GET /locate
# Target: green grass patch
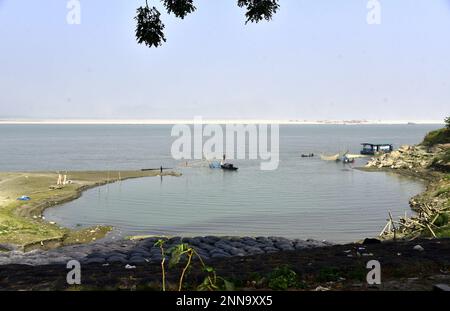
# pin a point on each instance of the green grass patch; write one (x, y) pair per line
(21, 230)
(20, 222)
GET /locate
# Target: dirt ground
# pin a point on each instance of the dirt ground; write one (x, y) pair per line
(21, 222)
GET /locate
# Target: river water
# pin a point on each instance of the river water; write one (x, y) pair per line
(303, 198)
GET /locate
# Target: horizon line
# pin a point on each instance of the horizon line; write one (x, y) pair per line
(69, 121)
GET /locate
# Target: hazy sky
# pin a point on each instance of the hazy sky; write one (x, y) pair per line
(318, 59)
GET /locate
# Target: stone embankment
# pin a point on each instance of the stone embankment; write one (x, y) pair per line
(143, 251)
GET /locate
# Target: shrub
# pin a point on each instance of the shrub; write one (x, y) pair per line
(282, 278)
(328, 275)
(441, 136)
(442, 220)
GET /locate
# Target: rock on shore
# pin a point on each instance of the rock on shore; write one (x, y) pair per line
(406, 157)
(144, 251)
(431, 164)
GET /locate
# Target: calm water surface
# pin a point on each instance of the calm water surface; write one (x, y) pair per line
(304, 198)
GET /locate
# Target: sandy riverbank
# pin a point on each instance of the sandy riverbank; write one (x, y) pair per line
(21, 222)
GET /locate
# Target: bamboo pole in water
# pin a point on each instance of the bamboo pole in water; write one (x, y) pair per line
(393, 225)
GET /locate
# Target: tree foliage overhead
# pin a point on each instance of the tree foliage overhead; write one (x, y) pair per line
(150, 28)
(257, 10)
(180, 8)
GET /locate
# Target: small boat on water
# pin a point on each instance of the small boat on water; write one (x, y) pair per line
(348, 160)
(228, 167)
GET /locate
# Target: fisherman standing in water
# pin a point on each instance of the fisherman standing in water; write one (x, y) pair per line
(223, 160)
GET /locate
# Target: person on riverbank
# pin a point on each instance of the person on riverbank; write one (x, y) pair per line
(223, 159)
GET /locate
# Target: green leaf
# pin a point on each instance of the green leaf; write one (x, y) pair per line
(175, 256)
(149, 28)
(159, 243)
